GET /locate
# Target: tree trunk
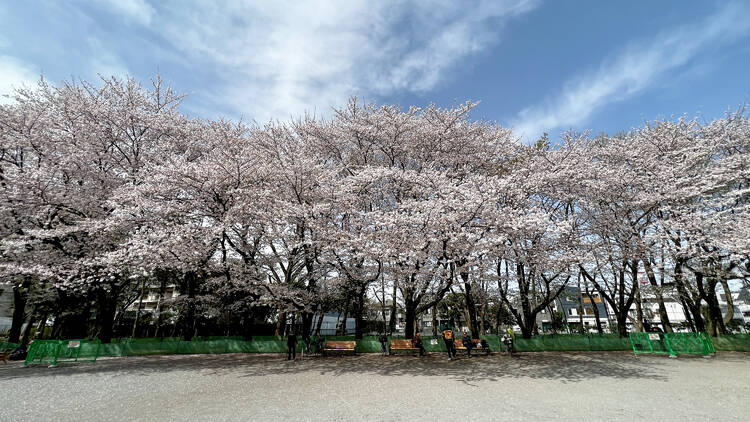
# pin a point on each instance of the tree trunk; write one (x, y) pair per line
(307, 318)
(359, 314)
(105, 314)
(394, 308)
(595, 307)
(320, 321)
(342, 328)
(42, 325)
(19, 313)
(56, 327)
(526, 328)
(160, 303)
(483, 318)
(622, 319)
(690, 302)
(730, 302)
(411, 316)
(27, 330)
(663, 316)
(638, 303)
(707, 292)
(466, 315)
(191, 280)
(434, 320)
(499, 318)
(581, 308)
(638, 311)
(470, 306)
(138, 311)
(688, 315)
(382, 304)
(698, 320)
(280, 324)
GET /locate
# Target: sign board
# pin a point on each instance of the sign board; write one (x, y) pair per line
(74, 343)
(654, 337)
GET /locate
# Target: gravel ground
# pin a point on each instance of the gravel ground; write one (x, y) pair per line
(531, 386)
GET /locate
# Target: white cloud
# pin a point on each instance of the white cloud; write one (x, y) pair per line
(275, 60)
(633, 71)
(132, 10)
(14, 74)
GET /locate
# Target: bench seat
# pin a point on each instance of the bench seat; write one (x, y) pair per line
(340, 346)
(477, 345)
(398, 345)
(460, 343)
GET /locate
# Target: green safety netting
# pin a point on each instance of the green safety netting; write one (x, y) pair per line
(570, 342)
(672, 343)
(732, 342)
(544, 343)
(562, 342)
(55, 351)
(6, 345)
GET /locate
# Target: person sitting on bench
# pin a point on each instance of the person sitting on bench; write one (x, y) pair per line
(418, 344)
(468, 344)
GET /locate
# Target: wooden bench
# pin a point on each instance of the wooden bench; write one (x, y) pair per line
(340, 346)
(400, 345)
(477, 345)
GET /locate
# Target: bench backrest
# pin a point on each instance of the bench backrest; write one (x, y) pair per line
(401, 344)
(460, 342)
(341, 345)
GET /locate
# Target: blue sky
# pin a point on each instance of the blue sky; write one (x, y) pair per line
(534, 65)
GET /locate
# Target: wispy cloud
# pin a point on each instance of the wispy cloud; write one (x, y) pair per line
(138, 11)
(14, 73)
(636, 69)
(276, 59)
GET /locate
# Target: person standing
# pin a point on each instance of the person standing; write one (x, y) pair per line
(291, 347)
(383, 344)
(449, 346)
(306, 341)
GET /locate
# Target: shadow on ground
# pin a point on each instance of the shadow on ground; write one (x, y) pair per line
(562, 366)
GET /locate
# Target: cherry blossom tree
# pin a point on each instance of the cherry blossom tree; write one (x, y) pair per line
(66, 150)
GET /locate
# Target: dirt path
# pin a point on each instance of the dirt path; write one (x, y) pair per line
(532, 386)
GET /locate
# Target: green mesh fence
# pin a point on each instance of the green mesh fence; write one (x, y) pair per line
(433, 344)
(7, 346)
(53, 352)
(690, 343)
(671, 343)
(563, 342)
(732, 342)
(650, 343)
(544, 343)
